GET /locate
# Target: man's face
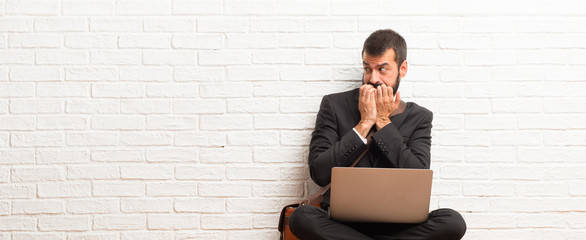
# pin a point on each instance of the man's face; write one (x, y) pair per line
(383, 70)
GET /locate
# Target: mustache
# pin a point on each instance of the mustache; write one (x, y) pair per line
(375, 85)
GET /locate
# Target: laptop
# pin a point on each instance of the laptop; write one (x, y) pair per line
(392, 195)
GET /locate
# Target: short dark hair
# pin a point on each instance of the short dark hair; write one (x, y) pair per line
(381, 40)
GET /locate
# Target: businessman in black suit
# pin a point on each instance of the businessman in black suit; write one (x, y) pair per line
(401, 139)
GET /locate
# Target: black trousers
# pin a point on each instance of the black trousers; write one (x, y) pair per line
(309, 222)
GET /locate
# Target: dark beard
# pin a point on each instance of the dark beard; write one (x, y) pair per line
(395, 88)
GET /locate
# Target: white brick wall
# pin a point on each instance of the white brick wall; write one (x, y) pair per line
(178, 119)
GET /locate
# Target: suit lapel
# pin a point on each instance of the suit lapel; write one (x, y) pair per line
(352, 102)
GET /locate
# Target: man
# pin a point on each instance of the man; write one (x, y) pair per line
(401, 139)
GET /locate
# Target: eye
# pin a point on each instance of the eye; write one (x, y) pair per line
(382, 69)
(366, 69)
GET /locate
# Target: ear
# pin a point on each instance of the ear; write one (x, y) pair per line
(403, 69)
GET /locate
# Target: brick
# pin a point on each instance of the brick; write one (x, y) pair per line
(541, 220)
(18, 224)
(254, 138)
(199, 106)
(37, 207)
(32, 7)
(250, 7)
(93, 41)
(171, 123)
(551, 189)
(64, 190)
(224, 57)
(565, 138)
(38, 174)
(469, 106)
(36, 139)
(399, 24)
(144, 41)
(119, 222)
(147, 235)
(61, 122)
(199, 74)
(295, 138)
(17, 123)
(447, 122)
(140, 138)
(253, 205)
(58, 57)
(315, 89)
(348, 7)
(116, 24)
(93, 236)
(442, 90)
(279, 89)
(564, 204)
(447, 153)
(577, 188)
(172, 189)
(444, 58)
(263, 105)
(16, 57)
(458, 7)
(172, 155)
(89, 7)
(465, 74)
(118, 155)
(139, 205)
(145, 106)
(226, 122)
(60, 156)
(200, 205)
(205, 7)
(350, 41)
(224, 222)
(38, 236)
(35, 106)
(222, 24)
(492, 90)
(63, 90)
(211, 235)
(224, 189)
(491, 122)
(517, 138)
(487, 25)
(198, 41)
(264, 220)
(115, 90)
(300, 7)
(93, 206)
(92, 106)
(284, 121)
(279, 56)
(514, 105)
(17, 191)
(17, 89)
(172, 24)
(492, 154)
(331, 24)
(564, 106)
(207, 139)
(120, 57)
(464, 171)
(172, 90)
(253, 173)
(443, 188)
(92, 139)
(252, 40)
(465, 204)
(118, 189)
(485, 189)
(93, 172)
(273, 24)
(247, 234)
(4, 177)
(16, 24)
(118, 122)
(253, 73)
(173, 58)
(173, 222)
(225, 155)
(281, 155)
(226, 90)
(147, 172)
(150, 7)
(307, 41)
(61, 24)
(200, 172)
(278, 190)
(490, 221)
(318, 57)
(34, 41)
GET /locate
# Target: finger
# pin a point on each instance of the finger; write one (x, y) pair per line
(398, 98)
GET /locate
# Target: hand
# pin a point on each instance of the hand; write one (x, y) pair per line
(367, 108)
(385, 105)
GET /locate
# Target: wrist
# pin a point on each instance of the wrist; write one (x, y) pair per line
(382, 122)
(363, 127)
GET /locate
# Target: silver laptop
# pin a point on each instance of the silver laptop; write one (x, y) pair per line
(393, 195)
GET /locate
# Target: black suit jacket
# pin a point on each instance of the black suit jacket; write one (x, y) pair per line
(404, 143)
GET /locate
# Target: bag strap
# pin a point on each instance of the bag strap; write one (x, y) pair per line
(311, 198)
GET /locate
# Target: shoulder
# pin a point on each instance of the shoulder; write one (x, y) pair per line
(418, 111)
(342, 96)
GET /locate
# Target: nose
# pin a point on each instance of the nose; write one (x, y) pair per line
(373, 77)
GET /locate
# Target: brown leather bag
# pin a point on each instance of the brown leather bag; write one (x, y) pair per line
(313, 199)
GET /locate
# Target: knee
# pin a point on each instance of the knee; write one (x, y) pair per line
(300, 220)
(454, 226)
